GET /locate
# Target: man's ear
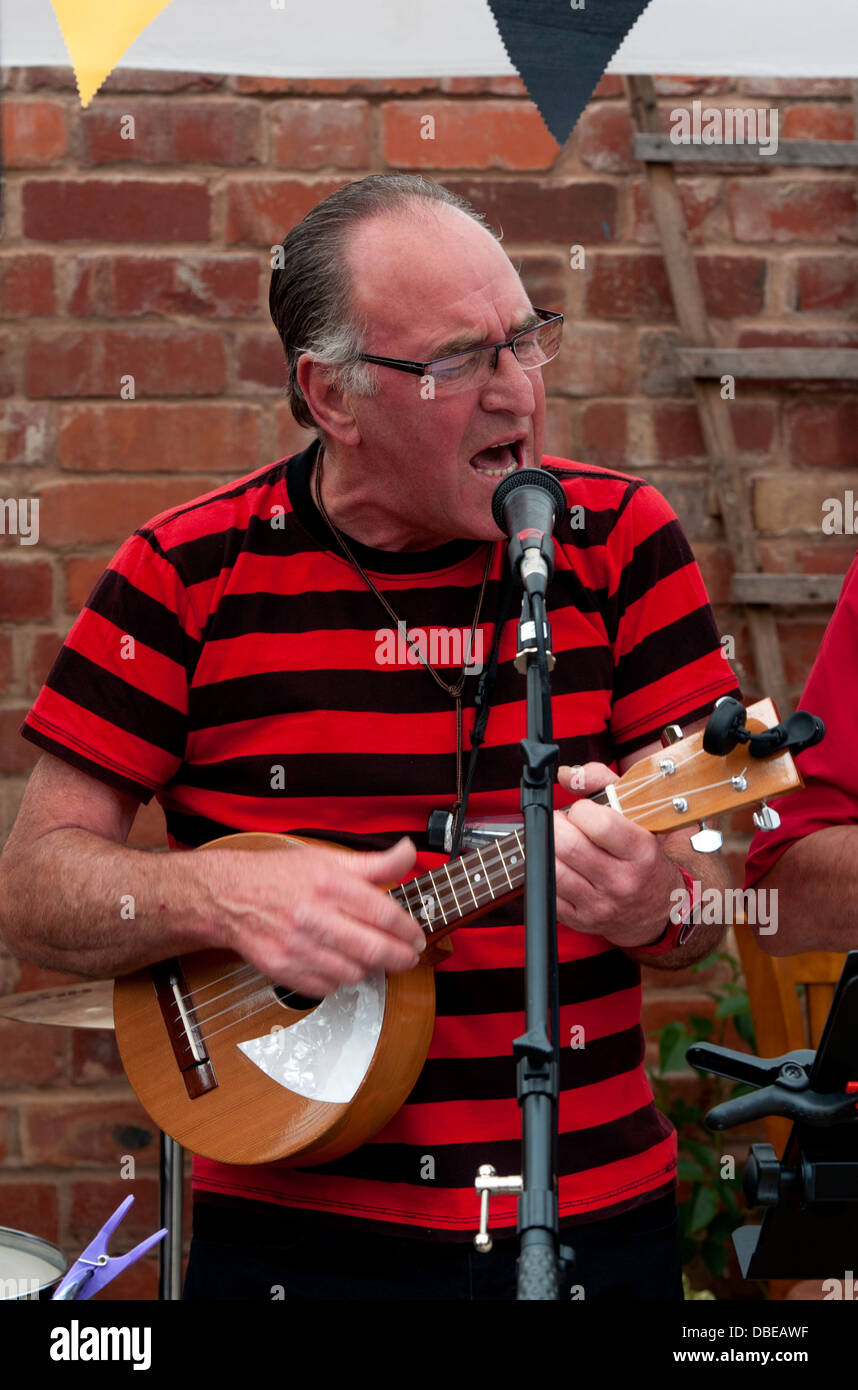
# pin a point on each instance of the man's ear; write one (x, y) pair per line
(329, 406)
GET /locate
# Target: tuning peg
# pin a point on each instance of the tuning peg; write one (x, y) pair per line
(706, 840)
(766, 818)
(671, 733)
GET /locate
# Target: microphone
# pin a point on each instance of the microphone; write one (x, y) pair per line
(526, 505)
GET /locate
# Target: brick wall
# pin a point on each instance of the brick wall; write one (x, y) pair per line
(150, 256)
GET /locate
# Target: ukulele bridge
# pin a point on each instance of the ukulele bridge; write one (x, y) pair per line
(183, 1030)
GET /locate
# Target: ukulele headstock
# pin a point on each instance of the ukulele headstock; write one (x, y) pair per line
(684, 784)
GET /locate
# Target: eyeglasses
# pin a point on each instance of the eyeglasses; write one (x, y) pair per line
(468, 371)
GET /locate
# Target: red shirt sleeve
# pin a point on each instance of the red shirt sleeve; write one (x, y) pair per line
(830, 769)
(115, 702)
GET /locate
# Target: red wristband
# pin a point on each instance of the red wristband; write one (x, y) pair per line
(680, 924)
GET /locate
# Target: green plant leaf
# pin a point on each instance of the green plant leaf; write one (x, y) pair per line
(701, 1025)
(689, 1171)
(732, 1003)
(704, 1205)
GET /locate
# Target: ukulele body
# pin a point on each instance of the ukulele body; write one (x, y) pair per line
(270, 1101)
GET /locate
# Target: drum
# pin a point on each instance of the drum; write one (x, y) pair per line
(30, 1268)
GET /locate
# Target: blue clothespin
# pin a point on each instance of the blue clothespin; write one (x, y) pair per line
(95, 1267)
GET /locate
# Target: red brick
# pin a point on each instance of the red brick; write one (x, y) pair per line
(799, 641)
(333, 86)
(610, 84)
(35, 977)
(798, 337)
(716, 566)
(817, 122)
(7, 670)
(753, 426)
(31, 1054)
(691, 86)
(823, 435)
(289, 436)
(106, 510)
(261, 211)
(314, 134)
(27, 434)
(828, 283)
(544, 278)
(81, 575)
(260, 361)
(29, 1205)
(93, 1200)
(44, 649)
(676, 433)
(62, 78)
(16, 754)
(604, 434)
(468, 135)
(776, 210)
(796, 86)
(701, 199)
(168, 362)
(27, 285)
(34, 133)
(595, 361)
(221, 286)
(135, 210)
(95, 1056)
(627, 286)
(170, 132)
(557, 431)
(827, 556)
(506, 86)
(4, 1135)
(9, 371)
(137, 1284)
(26, 587)
(69, 1134)
(159, 438)
(733, 286)
(539, 210)
(604, 135)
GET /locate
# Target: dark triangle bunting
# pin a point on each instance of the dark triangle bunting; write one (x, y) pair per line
(561, 50)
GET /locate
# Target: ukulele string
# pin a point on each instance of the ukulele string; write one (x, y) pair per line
(440, 893)
(664, 801)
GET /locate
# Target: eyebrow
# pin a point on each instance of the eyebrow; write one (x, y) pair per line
(465, 344)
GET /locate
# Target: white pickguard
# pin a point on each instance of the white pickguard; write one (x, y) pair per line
(326, 1054)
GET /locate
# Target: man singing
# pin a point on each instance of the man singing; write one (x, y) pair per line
(261, 695)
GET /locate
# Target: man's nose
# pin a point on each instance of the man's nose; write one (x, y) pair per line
(510, 387)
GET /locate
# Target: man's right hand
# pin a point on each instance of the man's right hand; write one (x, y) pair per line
(312, 918)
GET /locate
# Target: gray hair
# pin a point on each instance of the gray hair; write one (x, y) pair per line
(309, 299)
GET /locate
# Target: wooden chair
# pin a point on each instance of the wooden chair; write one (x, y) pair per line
(785, 1020)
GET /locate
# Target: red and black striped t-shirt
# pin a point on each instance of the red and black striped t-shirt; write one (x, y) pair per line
(258, 646)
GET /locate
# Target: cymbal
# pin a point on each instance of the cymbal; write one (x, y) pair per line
(89, 1005)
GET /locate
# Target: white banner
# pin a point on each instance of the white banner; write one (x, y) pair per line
(404, 38)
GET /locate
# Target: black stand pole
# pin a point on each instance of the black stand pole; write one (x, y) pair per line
(537, 1070)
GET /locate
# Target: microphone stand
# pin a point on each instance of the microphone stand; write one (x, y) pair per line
(537, 1079)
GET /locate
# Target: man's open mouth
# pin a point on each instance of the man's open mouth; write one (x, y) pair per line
(498, 460)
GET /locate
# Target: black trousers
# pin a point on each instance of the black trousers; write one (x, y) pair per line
(249, 1252)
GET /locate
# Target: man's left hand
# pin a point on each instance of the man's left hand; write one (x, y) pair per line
(613, 877)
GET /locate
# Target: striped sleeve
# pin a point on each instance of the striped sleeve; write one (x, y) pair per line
(669, 664)
(115, 702)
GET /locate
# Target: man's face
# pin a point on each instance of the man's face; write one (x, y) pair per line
(426, 287)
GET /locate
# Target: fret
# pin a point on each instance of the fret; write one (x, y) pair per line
(452, 889)
(462, 864)
(437, 895)
(485, 870)
(497, 845)
(401, 893)
(421, 917)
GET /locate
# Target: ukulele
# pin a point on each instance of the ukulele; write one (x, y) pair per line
(241, 1070)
